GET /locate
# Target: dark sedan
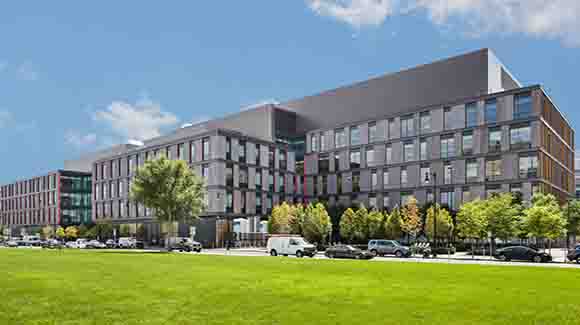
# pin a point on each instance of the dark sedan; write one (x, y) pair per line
(347, 251)
(574, 255)
(522, 253)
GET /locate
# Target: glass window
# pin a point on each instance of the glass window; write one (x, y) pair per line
(370, 154)
(494, 140)
(258, 179)
(385, 178)
(323, 163)
(520, 137)
(181, 151)
(374, 179)
(229, 202)
(408, 151)
(228, 148)
(373, 135)
(528, 166)
(314, 143)
(407, 126)
(404, 176)
(242, 151)
(493, 168)
(282, 156)
(471, 115)
(229, 175)
(354, 135)
(386, 201)
(491, 111)
(191, 151)
(324, 185)
(271, 156)
(271, 181)
(467, 143)
(425, 121)
(339, 183)
(356, 182)
(471, 169)
(281, 183)
(448, 118)
(258, 152)
(389, 153)
(373, 201)
(243, 177)
(425, 174)
(205, 153)
(323, 146)
(205, 172)
(448, 199)
(336, 161)
(355, 159)
(466, 195)
(129, 165)
(424, 150)
(447, 146)
(392, 131)
(339, 138)
(448, 173)
(522, 106)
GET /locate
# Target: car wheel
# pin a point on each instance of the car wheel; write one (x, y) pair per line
(374, 252)
(399, 254)
(357, 257)
(198, 250)
(504, 258)
(273, 253)
(299, 254)
(578, 260)
(329, 255)
(537, 259)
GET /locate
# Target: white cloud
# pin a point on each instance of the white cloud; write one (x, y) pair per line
(25, 71)
(141, 121)
(553, 19)
(6, 119)
(80, 140)
(357, 13)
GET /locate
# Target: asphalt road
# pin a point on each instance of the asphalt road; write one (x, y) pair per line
(453, 259)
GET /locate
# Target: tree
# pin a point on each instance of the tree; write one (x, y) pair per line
(572, 214)
(104, 229)
(444, 222)
(125, 230)
(281, 218)
(375, 224)
(471, 221)
(317, 224)
(297, 218)
(347, 225)
(60, 233)
(544, 218)
(394, 224)
(82, 231)
(171, 189)
(47, 232)
(502, 216)
(91, 233)
(412, 223)
(360, 224)
(71, 232)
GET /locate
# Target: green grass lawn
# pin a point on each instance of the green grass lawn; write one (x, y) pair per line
(88, 287)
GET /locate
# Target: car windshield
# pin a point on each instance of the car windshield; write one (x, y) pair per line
(300, 241)
(396, 243)
(350, 248)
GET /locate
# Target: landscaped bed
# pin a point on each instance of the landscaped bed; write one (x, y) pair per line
(89, 287)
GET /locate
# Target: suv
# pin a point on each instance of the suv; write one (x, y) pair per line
(126, 242)
(380, 247)
(184, 244)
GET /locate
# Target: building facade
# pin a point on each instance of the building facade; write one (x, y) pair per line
(60, 198)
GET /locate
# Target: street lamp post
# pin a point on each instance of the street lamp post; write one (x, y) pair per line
(434, 175)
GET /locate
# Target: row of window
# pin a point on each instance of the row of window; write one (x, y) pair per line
(527, 166)
(34, 185)
(31, 201)
(451, 120)
(36, 217)
(520, 138)
(241, 149)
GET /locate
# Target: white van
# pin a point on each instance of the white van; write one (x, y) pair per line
(290, 245)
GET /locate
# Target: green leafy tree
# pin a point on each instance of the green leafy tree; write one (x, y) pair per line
(82, 231)
(171, 189)
(360, 224)
(281, 218)
(444, 222)
(544, 218)
(394, 224)
(572, 213)
(60, 233)
(125, 230)
(297, 219)
(104, 229)
(47, 232)
(471, 221)
(502, 216)
(375, 224)
(347, 225)
(91, 232)
(412, 222)
(317, 224)
(71, 232)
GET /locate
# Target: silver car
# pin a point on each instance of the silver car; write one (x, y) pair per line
(380, 247)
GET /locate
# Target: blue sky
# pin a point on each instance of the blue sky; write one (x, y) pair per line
(78, 76)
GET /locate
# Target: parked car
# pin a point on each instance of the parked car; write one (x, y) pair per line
(574, 255)
(380, 247)
(522, 253)
(95, 244)
(184, 244)
(290, 245)
(81, 243)
(52, 244)
(110, 243)
(347, 251)
(12, 243)
(71, 244)
(126, 242)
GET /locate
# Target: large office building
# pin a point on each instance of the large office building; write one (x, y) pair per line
(465, 119)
